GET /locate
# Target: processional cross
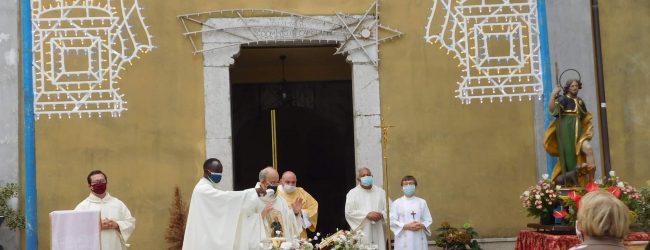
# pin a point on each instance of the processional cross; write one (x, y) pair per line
(384, 144)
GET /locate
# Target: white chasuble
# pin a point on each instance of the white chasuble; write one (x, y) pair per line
(113, 209)
(220, 219)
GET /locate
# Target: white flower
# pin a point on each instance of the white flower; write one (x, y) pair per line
(545, 176)
(557, 187)
(612, 173)
(527, 193)
(538, 197)
(317, 234)
(620, 184)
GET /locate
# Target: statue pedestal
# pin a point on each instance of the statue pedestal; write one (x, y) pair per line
(553, 229)
(564, 191)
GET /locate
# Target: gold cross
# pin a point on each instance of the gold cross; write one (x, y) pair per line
(384, 136)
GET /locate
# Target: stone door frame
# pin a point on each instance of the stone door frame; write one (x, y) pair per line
(218, 124)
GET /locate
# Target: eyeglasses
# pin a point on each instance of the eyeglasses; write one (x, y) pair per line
(98, 182)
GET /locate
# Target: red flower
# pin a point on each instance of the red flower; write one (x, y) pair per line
(591, 186)
(615, 191)
(560, 214)
(575, 196)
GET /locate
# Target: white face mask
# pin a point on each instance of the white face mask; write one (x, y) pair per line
(269, 196)
(288, 188)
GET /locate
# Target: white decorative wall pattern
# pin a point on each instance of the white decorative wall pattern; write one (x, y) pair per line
(496, 43)
(80, 47)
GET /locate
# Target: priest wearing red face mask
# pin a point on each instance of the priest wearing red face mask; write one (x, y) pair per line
(116, 221)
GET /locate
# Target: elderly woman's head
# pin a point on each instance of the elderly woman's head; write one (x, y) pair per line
(603, 215)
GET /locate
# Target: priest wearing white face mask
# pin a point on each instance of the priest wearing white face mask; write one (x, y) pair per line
(220, 219)
(278, 218)
(365, 209)
(410, 218)
(300, 201)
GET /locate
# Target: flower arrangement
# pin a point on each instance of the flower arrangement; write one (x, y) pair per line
(280, 244)
(452, 238)
(643, 209)
(541, 199)
(612, 184)
(344, 240)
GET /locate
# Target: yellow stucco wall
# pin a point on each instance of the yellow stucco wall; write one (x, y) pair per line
(472, 161)
(626, 62)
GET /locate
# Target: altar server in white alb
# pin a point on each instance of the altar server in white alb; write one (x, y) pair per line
(410, 218)
(117, 224)
(365, 209)
(220, 219)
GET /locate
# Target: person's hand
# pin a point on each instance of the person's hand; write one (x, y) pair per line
(297, 205)
(410, 226)
(556, 91)
(267, 209)
(414, 226)
(374, 216)
(109, 224)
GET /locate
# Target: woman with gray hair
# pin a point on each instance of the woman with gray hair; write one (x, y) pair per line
(603, 220)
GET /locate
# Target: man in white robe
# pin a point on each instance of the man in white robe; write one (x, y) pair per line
(117, 224)
(365, 209)
(410, 218)
(278, 218)
(221, 219)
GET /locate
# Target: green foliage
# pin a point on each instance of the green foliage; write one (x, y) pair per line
(642, 209)
(13, 219)
(452, 238)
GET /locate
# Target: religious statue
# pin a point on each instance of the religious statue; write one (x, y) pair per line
(569, 136)
(273, 224)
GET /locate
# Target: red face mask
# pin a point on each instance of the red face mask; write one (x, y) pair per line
(99, 188)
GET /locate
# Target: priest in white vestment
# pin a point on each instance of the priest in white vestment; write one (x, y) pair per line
(365, 210)
(410, 218)
(117, 224)
(221, 219)
(278, 220)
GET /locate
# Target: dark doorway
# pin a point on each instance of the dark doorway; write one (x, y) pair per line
(314, 131)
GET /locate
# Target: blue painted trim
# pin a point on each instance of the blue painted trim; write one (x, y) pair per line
(29, 147)
(547, 76)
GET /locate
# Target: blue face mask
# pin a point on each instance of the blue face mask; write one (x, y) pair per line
(214, 177)
(409, 190)
(366, 180)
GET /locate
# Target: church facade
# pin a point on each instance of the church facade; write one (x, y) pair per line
(459, 90)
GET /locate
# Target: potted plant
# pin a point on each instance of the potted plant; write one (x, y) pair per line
(452, 238)
(14, 219)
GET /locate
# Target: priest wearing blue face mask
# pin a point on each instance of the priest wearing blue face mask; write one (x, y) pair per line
(410, 218)
(218, 219)
(365, 209)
